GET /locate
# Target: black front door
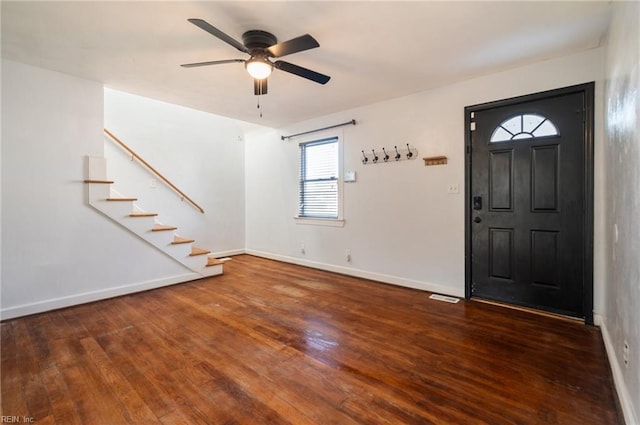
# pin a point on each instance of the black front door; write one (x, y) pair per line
(529, 201)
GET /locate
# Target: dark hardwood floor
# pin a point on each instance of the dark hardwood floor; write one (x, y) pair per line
(273, 343)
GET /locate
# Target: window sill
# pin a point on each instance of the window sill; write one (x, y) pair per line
(332, 222)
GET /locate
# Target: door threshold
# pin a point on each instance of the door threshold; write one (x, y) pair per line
(531, 310)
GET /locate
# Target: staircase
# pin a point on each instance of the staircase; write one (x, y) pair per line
(146, 225)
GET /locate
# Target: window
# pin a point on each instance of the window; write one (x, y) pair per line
(319, 188)
(527, 126)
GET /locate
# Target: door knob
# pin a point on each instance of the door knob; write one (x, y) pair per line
(477, 219)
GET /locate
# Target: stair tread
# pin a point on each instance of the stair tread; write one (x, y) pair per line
(161, 227)
(99, 181)
(198, 251)
(212, 261)
(121, 199)
(179, 240)
(142, 214)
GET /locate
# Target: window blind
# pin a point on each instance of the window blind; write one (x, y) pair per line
(318, 193)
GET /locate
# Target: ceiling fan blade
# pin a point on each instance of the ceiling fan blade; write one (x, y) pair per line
(295, 45)
(302, 72)
(217, 33)
(193, 65)
(259, 86)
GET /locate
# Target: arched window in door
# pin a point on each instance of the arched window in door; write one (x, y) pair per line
(525, 126)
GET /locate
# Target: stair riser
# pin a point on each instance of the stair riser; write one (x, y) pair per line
(180, 252)
(196, 262)
(115, 209)
(211, 270)
(138, 225)
(159, 239)
(98, 192)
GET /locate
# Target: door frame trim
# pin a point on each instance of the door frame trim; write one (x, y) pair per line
(588, 89)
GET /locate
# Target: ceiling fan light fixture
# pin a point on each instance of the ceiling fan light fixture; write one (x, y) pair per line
(258, 67)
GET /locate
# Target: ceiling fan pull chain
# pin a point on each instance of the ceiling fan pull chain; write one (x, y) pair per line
(259, 106)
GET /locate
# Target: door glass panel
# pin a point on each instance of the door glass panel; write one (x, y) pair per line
(546, 129)
(500, 135)
(522, 136)
(513, 125)
(526, 126)
(531, 122)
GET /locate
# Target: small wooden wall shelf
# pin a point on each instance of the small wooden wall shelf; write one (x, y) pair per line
(435, 160)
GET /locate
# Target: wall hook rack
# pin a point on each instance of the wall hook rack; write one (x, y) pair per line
(401, 154)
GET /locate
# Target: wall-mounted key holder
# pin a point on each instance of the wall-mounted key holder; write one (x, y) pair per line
(392, 155)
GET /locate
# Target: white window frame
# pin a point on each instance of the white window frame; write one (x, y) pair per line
(316, 221)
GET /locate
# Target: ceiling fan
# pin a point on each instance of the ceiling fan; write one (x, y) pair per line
(261, 46)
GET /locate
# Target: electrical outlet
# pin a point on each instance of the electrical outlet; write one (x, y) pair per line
(453, 188)
(625, 353)
(347, 254)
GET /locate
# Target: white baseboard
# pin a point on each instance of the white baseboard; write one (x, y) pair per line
(71, 300)
(626, 403)
(378, 277)
(228, 253)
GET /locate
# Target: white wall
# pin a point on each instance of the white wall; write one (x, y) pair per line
(401, 225)
(621, 318)
(201, 153)
(58, 251)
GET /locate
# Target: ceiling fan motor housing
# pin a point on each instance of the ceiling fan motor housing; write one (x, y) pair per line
(257, 39)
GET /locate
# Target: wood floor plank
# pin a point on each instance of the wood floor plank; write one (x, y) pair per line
(29, 393)
(94, 400)
(274, 343)
(13, 373)
(122, 389)
(63, 409)
(178, 418)
(141, 370)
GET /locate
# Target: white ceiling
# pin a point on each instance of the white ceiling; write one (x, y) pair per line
(372, 50)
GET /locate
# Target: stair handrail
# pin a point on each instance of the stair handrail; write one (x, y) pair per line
(153, 170)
